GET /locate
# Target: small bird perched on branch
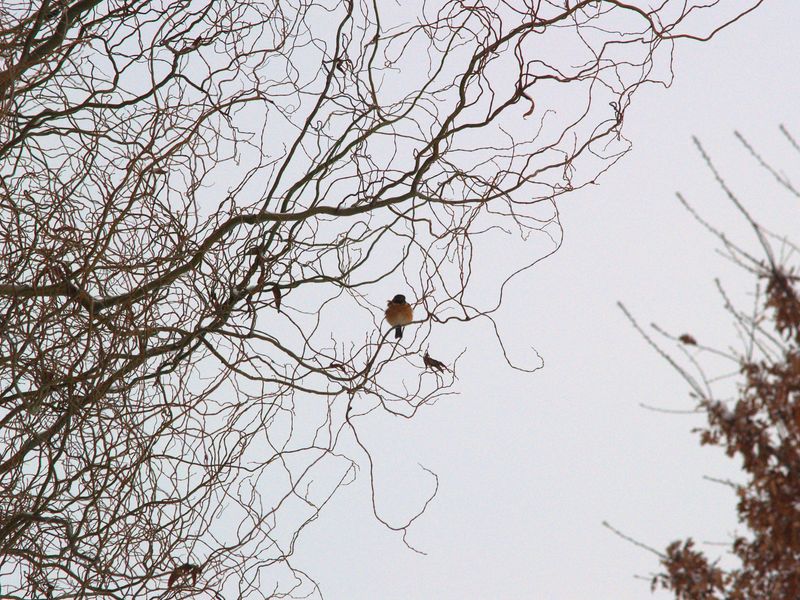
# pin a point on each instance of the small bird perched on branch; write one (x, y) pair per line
(399, 314)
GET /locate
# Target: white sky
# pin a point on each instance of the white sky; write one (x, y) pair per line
(530, 465)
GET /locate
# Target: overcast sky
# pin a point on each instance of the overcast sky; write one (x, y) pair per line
(530, 465)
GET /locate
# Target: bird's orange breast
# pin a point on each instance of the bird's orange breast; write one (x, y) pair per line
(399, 314)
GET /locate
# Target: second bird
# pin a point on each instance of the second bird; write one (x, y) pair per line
(398, 314)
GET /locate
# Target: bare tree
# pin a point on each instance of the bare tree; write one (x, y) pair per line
(757, 421)
(203, 205)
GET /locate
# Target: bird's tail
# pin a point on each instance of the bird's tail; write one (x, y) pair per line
(398, 332)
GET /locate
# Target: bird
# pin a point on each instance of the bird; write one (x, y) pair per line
(399, 314)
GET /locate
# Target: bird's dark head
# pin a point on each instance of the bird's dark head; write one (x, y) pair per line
(399, 299)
